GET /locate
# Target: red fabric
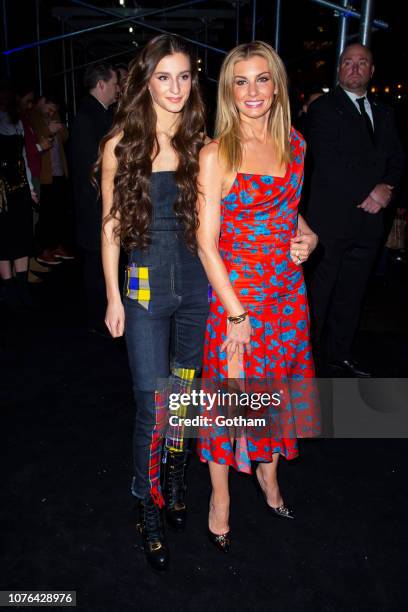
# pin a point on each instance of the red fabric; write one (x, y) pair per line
(33, 154)
(258, 219)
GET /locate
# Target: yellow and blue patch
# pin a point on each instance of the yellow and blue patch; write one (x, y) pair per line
(138, 285)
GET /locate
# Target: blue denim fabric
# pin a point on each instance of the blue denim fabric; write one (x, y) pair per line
(169, 334)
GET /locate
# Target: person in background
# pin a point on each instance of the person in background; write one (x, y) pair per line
(17, 195)
(357, 163)
(55, 219)
(313, 94)
(90, 125)
(34, 147)
(301, 124)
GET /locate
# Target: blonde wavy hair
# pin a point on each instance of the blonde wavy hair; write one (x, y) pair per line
(227, 124)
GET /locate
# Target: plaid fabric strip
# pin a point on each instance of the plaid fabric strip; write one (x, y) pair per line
(181, 381)
(156, 445)
(137, 284)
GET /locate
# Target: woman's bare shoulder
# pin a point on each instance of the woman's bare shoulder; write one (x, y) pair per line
(209, 154)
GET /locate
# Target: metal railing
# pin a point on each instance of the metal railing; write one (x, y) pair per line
(344, 11)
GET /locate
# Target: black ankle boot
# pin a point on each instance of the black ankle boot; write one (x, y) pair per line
(174, 488)
(23, 289)
(150, 525)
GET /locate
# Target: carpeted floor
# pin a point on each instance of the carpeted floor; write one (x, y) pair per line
(66, 516)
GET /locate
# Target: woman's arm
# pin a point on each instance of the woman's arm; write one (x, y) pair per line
(210, 181)
(304, 243)
(115, 316)
(210, 184)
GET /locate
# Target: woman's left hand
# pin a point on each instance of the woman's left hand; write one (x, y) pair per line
(302, 245)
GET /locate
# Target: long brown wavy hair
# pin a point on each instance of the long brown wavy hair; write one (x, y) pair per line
(136, 119)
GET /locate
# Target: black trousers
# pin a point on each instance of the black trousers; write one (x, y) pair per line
(337, 284)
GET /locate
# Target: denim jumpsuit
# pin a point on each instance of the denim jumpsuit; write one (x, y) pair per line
(166, 309)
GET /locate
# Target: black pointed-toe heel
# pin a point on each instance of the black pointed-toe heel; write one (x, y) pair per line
(282, 511)
(221, 542)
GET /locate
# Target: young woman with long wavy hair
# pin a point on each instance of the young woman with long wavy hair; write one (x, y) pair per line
(149, 191)
(251, 243)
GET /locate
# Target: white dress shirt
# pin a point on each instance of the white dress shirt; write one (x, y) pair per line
(353, 97)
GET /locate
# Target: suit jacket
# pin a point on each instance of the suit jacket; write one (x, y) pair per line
(347, 165)
(90, 125)
(41, 129)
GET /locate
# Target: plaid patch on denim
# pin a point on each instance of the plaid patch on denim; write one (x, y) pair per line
(181, 380)
(156, 446)
(137, 284)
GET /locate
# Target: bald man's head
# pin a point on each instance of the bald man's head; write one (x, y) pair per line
(355, 68)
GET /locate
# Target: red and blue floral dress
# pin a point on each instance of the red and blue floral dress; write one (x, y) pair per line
(258, 218)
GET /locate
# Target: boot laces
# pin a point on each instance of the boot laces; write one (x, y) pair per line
(175, 482)
(153, 522)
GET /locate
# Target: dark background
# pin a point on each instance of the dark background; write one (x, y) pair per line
(308, 41)
(66, 518)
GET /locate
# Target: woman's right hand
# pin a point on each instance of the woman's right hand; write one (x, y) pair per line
(238, 338)
(115, 318)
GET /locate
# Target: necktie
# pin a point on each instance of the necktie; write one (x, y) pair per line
(364, 114)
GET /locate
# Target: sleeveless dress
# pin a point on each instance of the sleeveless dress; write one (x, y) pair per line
(258, 219)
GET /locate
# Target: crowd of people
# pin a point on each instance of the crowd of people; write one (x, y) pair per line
(215, 244)
(42, 164)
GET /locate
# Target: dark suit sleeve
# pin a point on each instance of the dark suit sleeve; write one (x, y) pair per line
(396, 156)
(83, 154)
(83, 150)
(330, 162)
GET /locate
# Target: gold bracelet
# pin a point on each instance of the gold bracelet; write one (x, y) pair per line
(238, 318)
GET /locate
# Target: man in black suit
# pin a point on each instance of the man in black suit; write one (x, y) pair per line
(91, 124)
(357, 161)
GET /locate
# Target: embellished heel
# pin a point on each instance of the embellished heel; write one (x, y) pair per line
(282, 511)
(221, 542)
